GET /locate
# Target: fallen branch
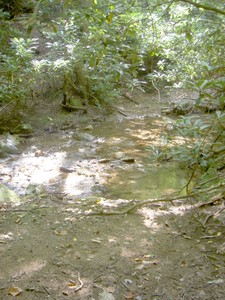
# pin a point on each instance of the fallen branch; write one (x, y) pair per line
(135, 206)
(22, 209)
(122, 113)
(139, 204)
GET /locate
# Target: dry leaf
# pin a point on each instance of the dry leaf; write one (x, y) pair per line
(60, 233)
(14, 291)
(139, 259)
(72, 284)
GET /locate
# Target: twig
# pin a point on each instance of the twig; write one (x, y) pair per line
(47, 291)
(157, 90)
(80, 282)
(208, 236)
(130, 98)
(23, 210)
(122, 113)
(212, 215)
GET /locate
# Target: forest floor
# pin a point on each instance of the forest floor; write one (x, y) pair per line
(57, 244)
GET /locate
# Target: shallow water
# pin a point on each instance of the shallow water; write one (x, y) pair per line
(144, 177)
(113, 160)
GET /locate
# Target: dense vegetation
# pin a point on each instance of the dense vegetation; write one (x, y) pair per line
(98, 49)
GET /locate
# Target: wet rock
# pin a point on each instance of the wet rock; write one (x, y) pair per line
(208, 106)
(23, 129)
(39, 153)
(66, 170)
(3, 154)
(8, 145)
(122, 156)
(35, 189)
(83, 136)
(119, 155)
(186, 106)
(179, 108)
(89, 127)
(7, 195)
(128, 160)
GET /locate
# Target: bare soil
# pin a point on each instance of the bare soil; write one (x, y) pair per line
(50, 248)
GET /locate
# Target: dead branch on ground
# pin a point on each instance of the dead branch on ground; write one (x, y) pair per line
(168, 198)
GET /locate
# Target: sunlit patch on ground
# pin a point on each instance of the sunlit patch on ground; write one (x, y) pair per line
(151, 215)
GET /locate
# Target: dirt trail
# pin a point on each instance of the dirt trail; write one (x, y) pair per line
(50, 250)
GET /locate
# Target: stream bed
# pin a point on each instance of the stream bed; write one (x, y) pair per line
(112, 159)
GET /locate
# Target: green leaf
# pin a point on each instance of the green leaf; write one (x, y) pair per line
(109, 17)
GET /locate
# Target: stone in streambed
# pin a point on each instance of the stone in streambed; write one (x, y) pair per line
(7, 195)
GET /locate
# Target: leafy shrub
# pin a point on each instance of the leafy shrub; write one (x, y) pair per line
(17, 76)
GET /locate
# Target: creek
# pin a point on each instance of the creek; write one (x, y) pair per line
(112, 158)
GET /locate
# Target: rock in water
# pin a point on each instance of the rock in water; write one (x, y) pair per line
(7, 195)
(83, 136)
(8, 145)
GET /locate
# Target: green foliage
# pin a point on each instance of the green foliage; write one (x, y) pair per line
(11, 7)
(210, 91)
(195, 143)
(192, 38)
(101, 38)
(96, 48)
(117, 42)
(16, 71)
(16, 75)
(187, 37)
